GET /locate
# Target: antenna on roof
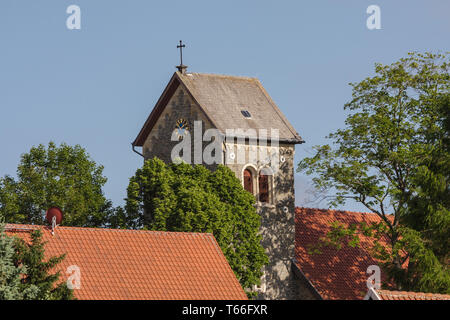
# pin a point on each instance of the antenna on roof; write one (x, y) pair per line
(54, 216)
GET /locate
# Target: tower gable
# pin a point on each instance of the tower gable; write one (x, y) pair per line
(179, 109)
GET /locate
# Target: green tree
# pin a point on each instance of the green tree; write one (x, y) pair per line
(39, 271)
(393, 158)
(181, 197)
(10, 274)
(63, 176)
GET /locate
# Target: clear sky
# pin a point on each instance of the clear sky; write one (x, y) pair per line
(96, 86)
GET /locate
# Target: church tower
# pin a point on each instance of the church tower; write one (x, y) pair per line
(257, 144)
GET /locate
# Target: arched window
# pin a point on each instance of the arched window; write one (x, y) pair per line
(248, 181)
(263, 184)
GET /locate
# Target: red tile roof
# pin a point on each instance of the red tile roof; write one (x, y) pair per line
(335, 274)
(129, 264)
(377, 294)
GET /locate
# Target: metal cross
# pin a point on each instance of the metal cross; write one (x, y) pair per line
(181, 46)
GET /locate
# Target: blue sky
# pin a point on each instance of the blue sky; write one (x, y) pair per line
(96, 86)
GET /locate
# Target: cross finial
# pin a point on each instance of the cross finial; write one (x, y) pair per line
(182, 68)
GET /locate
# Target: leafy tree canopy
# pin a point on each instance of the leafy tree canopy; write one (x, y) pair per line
(393, 157)
(181, 197)
(63, 176)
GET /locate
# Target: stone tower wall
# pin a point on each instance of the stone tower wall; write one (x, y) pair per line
(277, 217)
(277, 225)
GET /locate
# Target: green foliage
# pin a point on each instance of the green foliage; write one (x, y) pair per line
(118, 219)
(38, 271)
(181, 197)
(61, 176)
(10, 274)
(393, 157)
(429, 206)
(426, 270)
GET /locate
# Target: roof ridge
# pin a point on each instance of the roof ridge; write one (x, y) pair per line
(336, 210)
(220, 76)
(408, 293)
(33, 226)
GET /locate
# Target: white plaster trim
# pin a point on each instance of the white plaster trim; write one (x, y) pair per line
(265, 204)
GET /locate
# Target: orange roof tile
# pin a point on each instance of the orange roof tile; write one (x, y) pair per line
(378, 294)
(130, 264)
(335, 274)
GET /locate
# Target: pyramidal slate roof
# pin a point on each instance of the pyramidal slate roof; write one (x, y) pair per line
(223, 98)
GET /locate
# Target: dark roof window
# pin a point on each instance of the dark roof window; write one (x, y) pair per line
(246, 114)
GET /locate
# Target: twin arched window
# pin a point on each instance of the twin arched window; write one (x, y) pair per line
(263, 184)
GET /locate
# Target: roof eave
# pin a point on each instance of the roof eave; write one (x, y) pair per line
(298, 140)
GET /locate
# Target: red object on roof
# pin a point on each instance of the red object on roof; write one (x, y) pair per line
(54, 212)
(335, 274)
(377, 294)
(129, 264)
